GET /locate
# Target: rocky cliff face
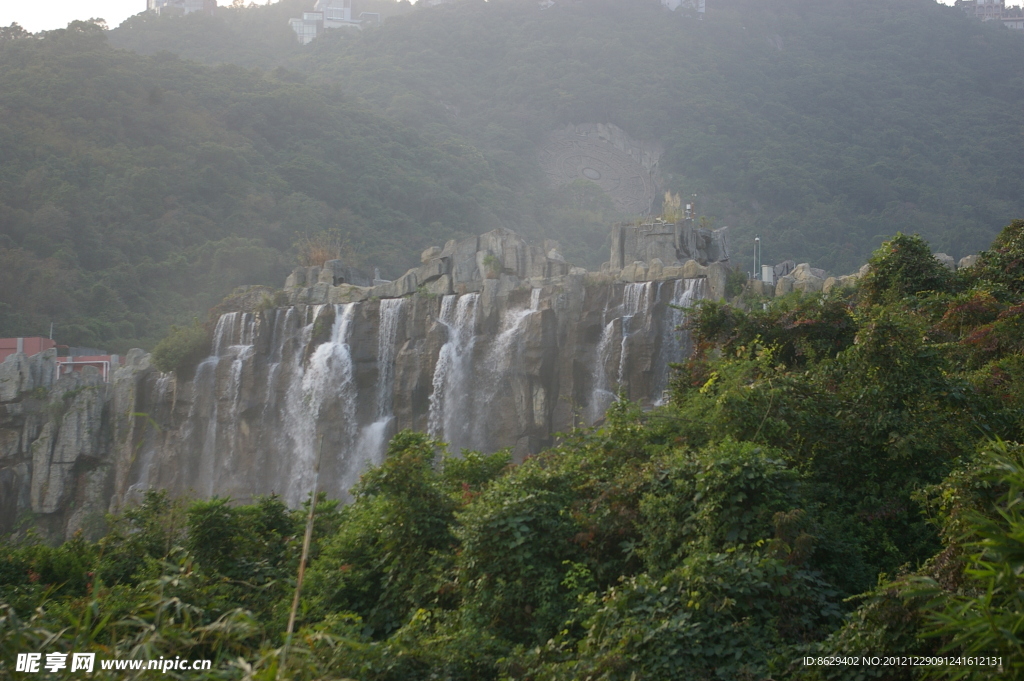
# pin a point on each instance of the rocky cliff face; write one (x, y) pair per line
(508, 366)
(490, 343)
(55, 451)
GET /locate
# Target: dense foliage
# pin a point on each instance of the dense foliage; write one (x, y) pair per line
(823, 126)
(834, 474)
(137, 191)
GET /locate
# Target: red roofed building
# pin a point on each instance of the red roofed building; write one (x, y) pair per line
(70, 361)
(30, 346)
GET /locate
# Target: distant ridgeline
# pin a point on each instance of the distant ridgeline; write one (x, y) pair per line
(491, 342)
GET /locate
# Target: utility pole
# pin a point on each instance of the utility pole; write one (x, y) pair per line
(757, 257)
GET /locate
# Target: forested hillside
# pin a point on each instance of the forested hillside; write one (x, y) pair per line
(823, 126)
(141, 189)
(138, 191)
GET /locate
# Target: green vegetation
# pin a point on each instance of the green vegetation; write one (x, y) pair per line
(824, 127)
(834, 474)
(136, 191)
(182, 349)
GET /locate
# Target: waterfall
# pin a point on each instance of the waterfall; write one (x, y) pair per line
(450, 401)
(635, 302)
(278, 340)
(387, 340)
(675, 342)
(374, 437)
(202, 475)
(498, 372)
(602, 395)
(327, 383)
(144, 466)
(274, 382)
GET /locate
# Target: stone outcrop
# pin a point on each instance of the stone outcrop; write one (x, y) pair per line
(488, 343)
(968, 261)
(803, 278)
(54, 447)
(671, 243)
(847, 280)
(946, 260)
(464, 266)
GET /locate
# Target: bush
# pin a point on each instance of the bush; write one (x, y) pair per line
(904, 266)
(183, 349)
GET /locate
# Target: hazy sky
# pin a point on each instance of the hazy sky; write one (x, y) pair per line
(43, 15)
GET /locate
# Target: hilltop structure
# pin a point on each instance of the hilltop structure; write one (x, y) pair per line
(180, 7)
(994, 10)
(328, 14)
(673, 5)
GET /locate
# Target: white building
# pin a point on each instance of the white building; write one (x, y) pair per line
(180, 7)
(673, 5)
(994, 10)
(327, 14)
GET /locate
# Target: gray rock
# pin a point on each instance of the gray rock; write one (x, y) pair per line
(318, 293)
(946, 260)
(441, 286)
(297, 279)
(718, 276)
(340, 295)
(429, 254)
(432, 269)
(15, 377)
(693, 269)
(968, 261)
(65, 441)
(784, 285)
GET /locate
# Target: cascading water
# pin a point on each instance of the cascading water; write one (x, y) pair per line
(497, 373)
(449, 418)
(205, 399)
(326, 383)
(374, 437)
(675, 341)
(241, 353)
(635, 303)
(144, 467)
(387, 341)
(277, 380)
(602, 395)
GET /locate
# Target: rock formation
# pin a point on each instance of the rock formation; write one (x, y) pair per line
(490, 343)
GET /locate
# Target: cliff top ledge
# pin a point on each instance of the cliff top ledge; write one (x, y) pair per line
(652, 251)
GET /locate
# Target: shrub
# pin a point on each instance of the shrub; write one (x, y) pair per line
(182, 349)
(904, 266)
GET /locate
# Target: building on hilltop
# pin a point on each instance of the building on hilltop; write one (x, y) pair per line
(328, 14)
(994, 10)
(673, 5)
(180, 7)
